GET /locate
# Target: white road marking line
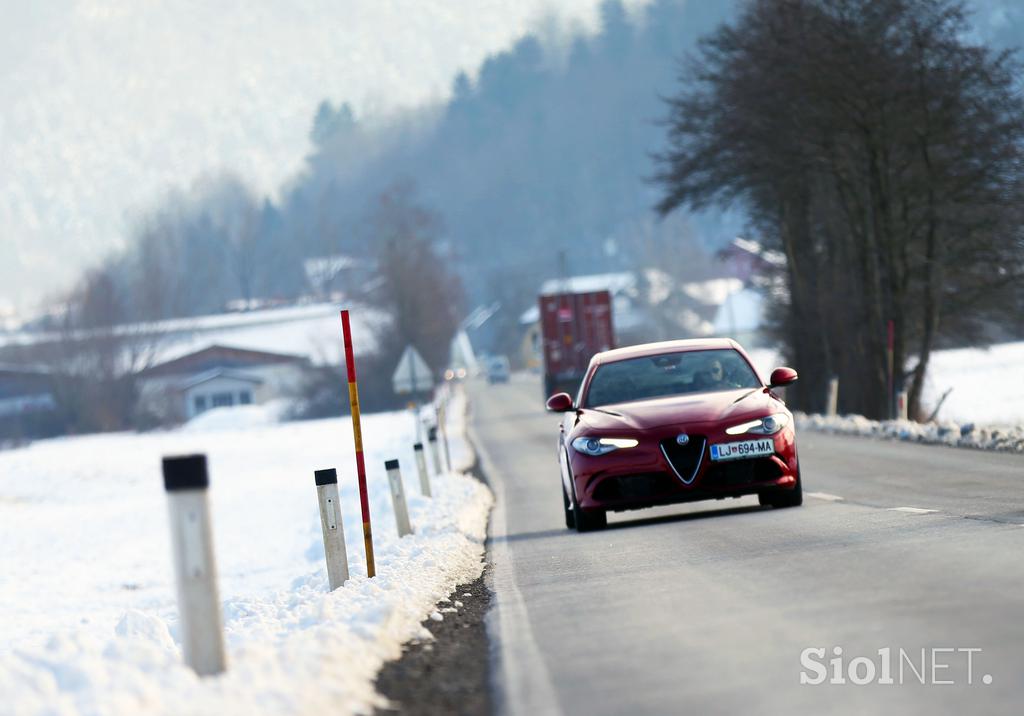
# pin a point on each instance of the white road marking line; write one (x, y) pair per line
(824, 496)
(912, 510)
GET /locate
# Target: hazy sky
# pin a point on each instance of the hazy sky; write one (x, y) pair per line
(107, 104)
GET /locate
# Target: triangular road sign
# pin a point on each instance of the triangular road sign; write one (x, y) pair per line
(412, 374)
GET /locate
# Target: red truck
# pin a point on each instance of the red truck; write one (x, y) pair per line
(573, 327)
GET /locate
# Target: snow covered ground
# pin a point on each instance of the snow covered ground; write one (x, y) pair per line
(944, 432)
(984, 410)
(89, 617)
(987, 383)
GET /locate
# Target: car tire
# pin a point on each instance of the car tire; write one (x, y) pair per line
(591, 520)
(570, 519)
(588, 520)
(793, 497)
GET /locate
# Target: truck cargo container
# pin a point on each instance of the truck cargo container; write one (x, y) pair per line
(574, 326)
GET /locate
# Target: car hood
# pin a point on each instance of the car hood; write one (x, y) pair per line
(681, 409)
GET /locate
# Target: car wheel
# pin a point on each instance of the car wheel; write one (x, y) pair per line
(570, 520)
(588, 520)
(783, 498)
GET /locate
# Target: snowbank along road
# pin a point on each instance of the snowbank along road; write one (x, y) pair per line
(903, 565)
(89, 624)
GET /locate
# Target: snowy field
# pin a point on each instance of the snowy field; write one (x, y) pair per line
(987, 383)
(89, 617)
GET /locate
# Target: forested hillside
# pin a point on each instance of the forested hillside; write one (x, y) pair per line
(548, 149)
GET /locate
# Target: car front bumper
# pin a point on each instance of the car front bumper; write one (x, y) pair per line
(653, 473)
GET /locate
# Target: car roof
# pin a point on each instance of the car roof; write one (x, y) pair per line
(653, 349)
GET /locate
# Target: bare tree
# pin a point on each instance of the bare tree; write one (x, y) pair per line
(231, 212)
(882, 154)
(417, 285)
(94, 356)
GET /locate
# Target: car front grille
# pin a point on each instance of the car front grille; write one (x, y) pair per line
(684, 459)
(633, 487)
(737, 473)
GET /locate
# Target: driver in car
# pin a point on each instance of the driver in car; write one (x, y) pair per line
(713, 377)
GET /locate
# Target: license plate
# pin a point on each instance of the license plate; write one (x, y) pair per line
(745, 448)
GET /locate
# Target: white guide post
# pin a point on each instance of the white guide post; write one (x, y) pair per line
(435, 458)
(202, 633)
(832, 399)
(398, 498)
(332, 527)
(421, 467)
(901, 405)
(415, 408)
(441, 419)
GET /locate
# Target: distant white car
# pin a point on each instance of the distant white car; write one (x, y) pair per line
(498, 370)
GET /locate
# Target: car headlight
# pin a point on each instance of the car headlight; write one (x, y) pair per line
(768, 425)
(601, 446)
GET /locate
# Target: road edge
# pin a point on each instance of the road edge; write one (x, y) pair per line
(415, 681)
(520, 682)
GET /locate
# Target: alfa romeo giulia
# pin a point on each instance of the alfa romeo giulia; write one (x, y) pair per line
(670, 422)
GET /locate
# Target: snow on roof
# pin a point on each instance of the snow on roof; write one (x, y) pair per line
(712, 292)
(209, 375)
(775, 258)
(226, 355)
(659, 286)
(312, 331)
(692, 323)
(613, 282)
(530, 315)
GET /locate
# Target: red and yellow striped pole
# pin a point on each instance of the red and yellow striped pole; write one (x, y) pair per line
(357, 435)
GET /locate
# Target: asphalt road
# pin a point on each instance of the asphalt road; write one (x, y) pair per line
(706, 608)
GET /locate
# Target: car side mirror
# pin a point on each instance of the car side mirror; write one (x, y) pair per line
(559, 403)
(782, 377)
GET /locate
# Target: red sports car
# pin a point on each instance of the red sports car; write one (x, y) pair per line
(674, 422)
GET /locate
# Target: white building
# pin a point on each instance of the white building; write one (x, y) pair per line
(218, 388)
(219, 376)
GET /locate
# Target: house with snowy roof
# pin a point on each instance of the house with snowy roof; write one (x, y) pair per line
(185, 366)
(219, 376)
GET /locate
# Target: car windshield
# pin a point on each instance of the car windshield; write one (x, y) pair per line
(670, 374)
